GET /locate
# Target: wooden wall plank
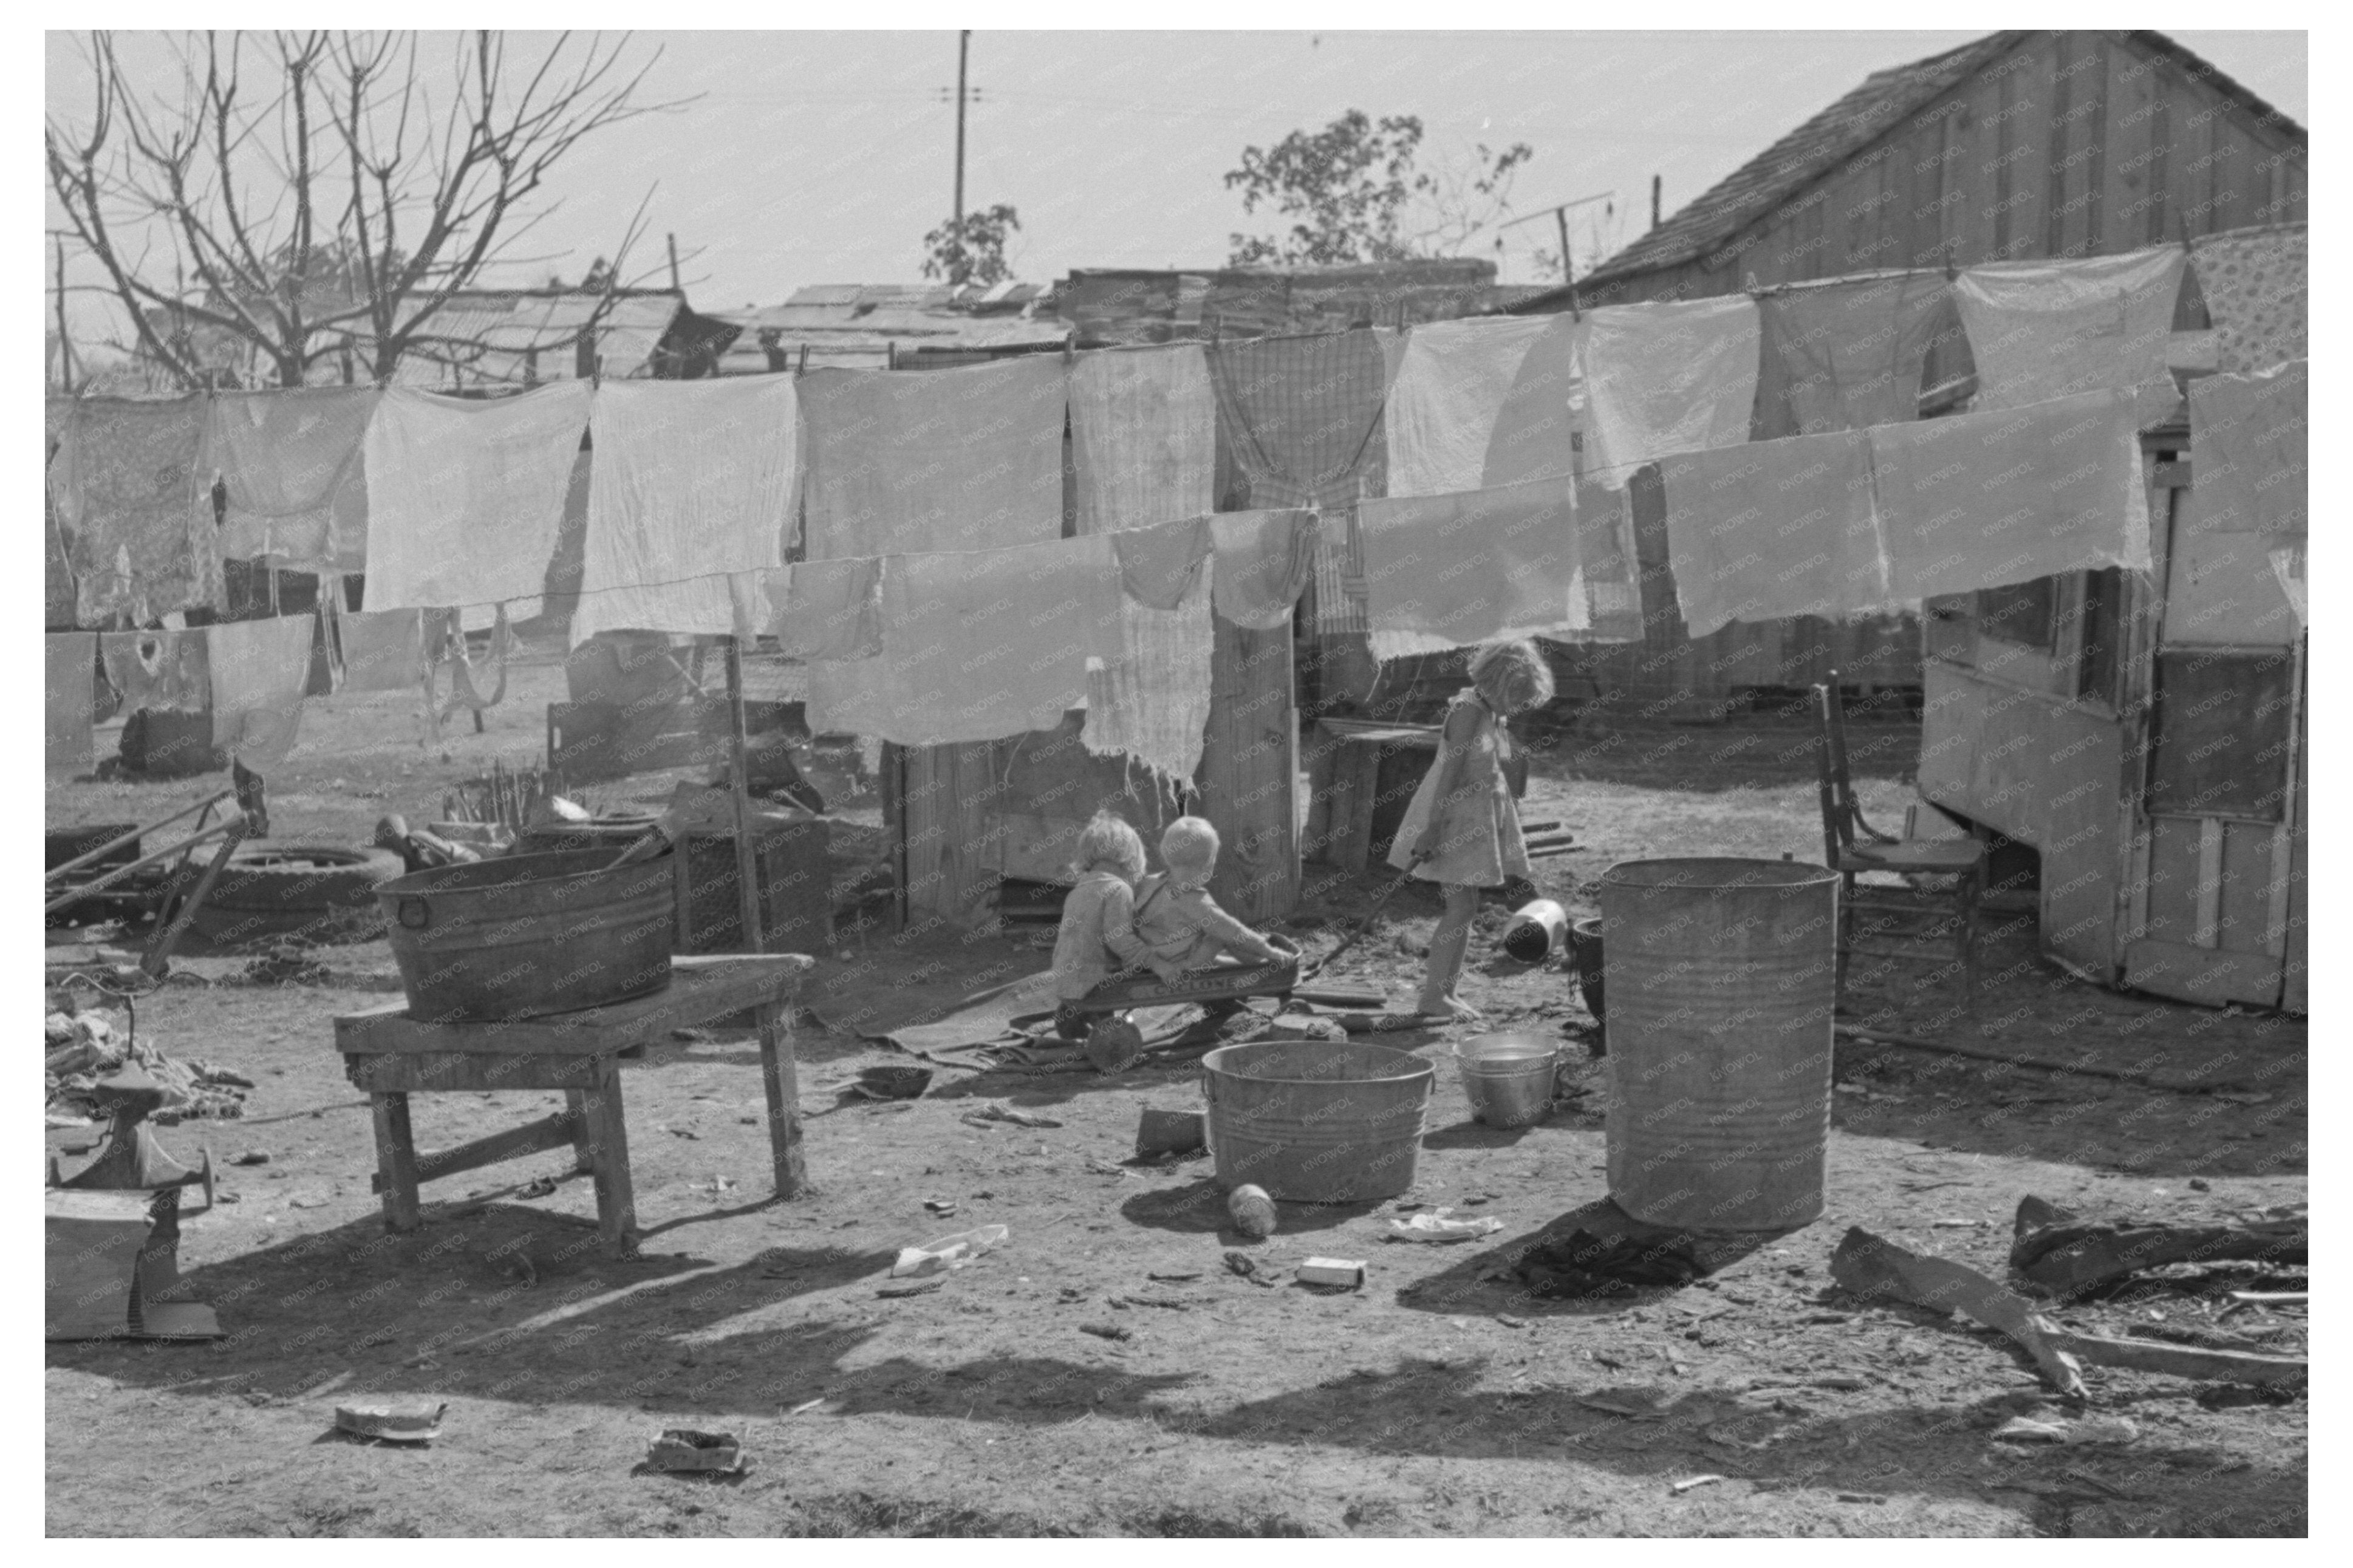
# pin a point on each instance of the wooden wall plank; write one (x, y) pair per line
(1250, 772)
(2172, 880)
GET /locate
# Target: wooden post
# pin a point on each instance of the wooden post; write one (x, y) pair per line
(778, 1080)
(747, 889)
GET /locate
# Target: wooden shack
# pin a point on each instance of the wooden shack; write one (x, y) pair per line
(2022, 144)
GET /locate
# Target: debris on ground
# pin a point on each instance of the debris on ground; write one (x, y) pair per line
(2070, 1257)
(1252, 1211)
(287, 961)
(949, 1252)
(415, 1419)
(1582, 1264)
(83, 1048)
(682, 1449)
(1253, 1269)
(1337, 1273)
(2106, 1431)
(997, 1110)
(1684, 1486)
(1107, 1331)
(1438, 1227)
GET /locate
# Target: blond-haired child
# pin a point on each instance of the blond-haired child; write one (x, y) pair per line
(1462, 828)
(1097, 935)
(1178, 924)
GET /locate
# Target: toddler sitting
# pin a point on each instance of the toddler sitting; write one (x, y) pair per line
(1097, 935)
(1179, 926)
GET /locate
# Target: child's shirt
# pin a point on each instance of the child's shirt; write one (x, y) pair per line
(1176, 924)
(1097, 935)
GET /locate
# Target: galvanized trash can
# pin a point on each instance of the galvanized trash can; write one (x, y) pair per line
(1723, 980)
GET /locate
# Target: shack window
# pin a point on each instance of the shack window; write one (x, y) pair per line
(2224, 718)
(2021, 613)
(2104, 631)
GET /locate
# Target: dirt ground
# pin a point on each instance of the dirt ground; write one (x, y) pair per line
(1439, 1400)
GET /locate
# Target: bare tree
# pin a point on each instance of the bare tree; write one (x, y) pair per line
(319, 193)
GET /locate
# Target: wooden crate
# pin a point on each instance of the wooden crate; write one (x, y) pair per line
(1361, 779)
(795, 889)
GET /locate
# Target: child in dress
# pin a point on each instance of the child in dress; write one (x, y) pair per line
(1179, 926)
(1463, 829)
(1097, 935)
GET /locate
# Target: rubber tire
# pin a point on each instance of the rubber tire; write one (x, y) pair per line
(315, 890)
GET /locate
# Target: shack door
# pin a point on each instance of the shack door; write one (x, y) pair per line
(2215, 866)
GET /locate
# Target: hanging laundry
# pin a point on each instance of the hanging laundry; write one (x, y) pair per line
(125, 479)
(1470, 566)
(978, 645)
(259, 670)
(1679, 376)
(689, 506)
(2255, 286)
(2288, 567)
(1159, 566)
(157, 670)
(1479, 404)
(2041, 329)
(466, 495)
(1774, 529)
(1981, 500)
(2250, 438)
(1144, 434)
(910, 461)
(1839, 356)
(1152, 701)
(70, 705)
(290, 462)
(384, 651)
(1264, 560)
(828, 609)
(465, 678)
(1608, 563)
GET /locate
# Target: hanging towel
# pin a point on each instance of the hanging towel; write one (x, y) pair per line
(2041, 329)
(1152, 701)
(1668, 377)
(258, 671)
(68, 710)
(1773, 529)
(1840, 356)
(1159, 566)
(125, 479)
(466, 495)
(1608, 563)
(689, 505)
(1980, 500)
(2249, 439)
(978, 645)
(829, 609)
(1470, 566)
(1264, 560)
(2288, 567)
(384, 651)
(2255, 286)
(1144, 437)
(289, 461)
(157, 670)
(1479, 404)
(465, 679)
(906, 461)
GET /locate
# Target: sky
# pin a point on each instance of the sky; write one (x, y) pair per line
(805, 158)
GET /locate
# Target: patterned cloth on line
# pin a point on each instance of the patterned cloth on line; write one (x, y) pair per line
(1470, 566)
(1152, 701)
(2041, 329)
(141, 537)
(914, 461)
(1980, 500)
(1679, 376)
(2251, 436)
(289, 461)
(1144, 437)
(1302, 419)
(1159, 566)
(466, 495)
(1774, 529)
(2253, 283)
(1840, 356)
(158, 670)
(258, 671)
(1263, 562)
(70, 702)
(978, 645)
(690, 505)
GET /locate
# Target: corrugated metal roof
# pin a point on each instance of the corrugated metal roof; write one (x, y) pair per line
(492, 336)
(1845, 129)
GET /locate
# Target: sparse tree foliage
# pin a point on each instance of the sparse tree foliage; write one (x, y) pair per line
(304, 193)
(971, 249)
(1356, 193)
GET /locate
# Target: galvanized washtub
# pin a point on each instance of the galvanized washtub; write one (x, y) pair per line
(1316, 1121)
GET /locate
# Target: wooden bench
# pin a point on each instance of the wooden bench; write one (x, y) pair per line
(392, 1055)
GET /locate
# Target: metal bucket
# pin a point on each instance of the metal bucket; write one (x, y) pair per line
(1316, 1121)
(1536, 931)
(1724, 980)
(1508, 1078)
(527, 934)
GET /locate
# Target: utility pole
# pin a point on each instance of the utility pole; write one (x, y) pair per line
(1560, 217)
(964, 55)
(675, 286)
(1654, 201)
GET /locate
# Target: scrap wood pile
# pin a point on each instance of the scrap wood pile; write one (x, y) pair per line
(2066, 1259)
(84, 1047)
